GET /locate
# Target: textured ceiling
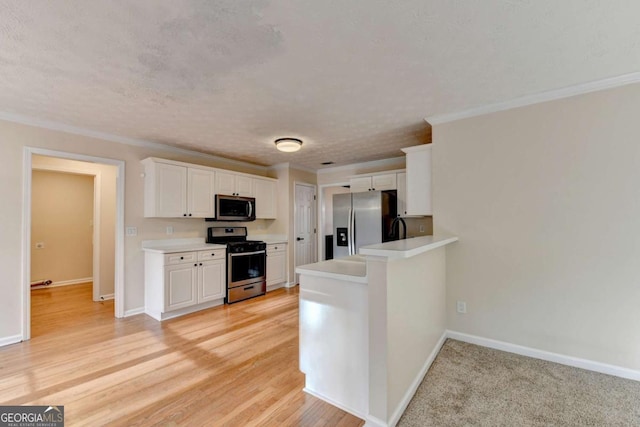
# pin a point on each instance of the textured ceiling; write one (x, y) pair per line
(353, 79)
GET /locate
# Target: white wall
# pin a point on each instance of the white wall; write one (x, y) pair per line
(15, 137)
(61, 219)
(546, 202)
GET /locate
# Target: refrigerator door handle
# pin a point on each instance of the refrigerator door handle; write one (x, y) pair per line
(349, 233)
(352, 233)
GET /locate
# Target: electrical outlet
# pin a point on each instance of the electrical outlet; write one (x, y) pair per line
(422, 228)
(132, 231)
(461, 307)
(169, 229)
(40, 245)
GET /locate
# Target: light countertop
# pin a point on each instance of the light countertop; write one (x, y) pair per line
(350, 269)
(269, 239)
(168, 246)
(354, 268)
(408, 247)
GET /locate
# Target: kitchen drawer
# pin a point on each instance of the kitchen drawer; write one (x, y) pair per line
(212, 254)
(278, 247)
(247, 291)
(180, 257)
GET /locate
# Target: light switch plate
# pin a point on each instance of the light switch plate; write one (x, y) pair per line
(132, 231)
(461, 307)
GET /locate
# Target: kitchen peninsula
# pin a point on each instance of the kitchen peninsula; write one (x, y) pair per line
(371, 325)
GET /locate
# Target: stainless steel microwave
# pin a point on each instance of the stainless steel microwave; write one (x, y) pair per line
(234, 208)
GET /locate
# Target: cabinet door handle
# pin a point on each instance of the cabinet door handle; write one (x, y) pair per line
(200, 263)
(247, 288)
(184, 214)
(189, 214)
(181, 257)
(213, 254)
(275, 248)
(195, 265)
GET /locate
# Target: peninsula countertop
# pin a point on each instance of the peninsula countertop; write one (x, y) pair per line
(350, 269)
(407, 248)
(354, 268)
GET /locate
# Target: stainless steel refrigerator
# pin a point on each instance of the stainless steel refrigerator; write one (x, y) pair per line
(361, 219)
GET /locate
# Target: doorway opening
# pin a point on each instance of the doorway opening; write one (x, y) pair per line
(73, 248)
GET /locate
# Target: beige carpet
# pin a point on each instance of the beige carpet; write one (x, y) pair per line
(469, 385)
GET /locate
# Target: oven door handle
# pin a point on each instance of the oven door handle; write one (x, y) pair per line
(248, 253)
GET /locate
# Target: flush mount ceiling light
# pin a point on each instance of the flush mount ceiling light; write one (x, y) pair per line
(288, 145)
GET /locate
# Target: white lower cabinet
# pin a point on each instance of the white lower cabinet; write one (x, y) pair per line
(276, 264)
(183, 282)
(211, 280)
(180, 289)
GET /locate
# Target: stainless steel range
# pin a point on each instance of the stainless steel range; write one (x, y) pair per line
(246, 262)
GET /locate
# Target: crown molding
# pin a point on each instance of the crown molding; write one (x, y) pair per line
(75, 130)
(373, 163)
(551, 95)
(279, 166)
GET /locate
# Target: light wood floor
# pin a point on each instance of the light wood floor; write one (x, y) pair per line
(55, 310)
(232, 365)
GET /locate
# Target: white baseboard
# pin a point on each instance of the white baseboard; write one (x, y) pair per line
(372, 421)
(10, 340)
(334, 403)
(182, 311)
(64, 283)
(133, 311)
(274, 287)
(290, 285)
(107, 297)
(562, 359)
(402, 406)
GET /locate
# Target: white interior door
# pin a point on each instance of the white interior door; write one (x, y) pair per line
(305, 224)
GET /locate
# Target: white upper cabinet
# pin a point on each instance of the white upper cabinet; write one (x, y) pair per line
(360, 184)
(402, 193)
(200, 187)
(385, 181)
(266, 198)
(418, 194)
(165, 190)
(231, 184)
(181, 190)
(173, 191)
